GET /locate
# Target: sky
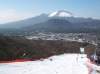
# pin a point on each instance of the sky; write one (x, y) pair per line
(14, 10)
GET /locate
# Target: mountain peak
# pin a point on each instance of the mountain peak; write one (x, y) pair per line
(61, 13)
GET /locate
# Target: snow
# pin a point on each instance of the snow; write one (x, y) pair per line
(94, 68)
(53, 14)
(62, 13)
(62, 64)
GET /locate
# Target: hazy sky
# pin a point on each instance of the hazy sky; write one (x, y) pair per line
(13, 10)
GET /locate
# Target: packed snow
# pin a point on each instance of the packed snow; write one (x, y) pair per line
(94, 68)
(62, 64)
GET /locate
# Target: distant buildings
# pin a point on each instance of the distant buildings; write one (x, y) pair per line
(79, 37)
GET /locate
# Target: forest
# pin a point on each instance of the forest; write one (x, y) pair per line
(12, 49)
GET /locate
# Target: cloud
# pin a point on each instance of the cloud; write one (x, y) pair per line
(10, 15)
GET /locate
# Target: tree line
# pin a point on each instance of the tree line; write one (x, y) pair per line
(11, 49)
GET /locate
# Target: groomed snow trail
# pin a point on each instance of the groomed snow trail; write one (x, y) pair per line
(94, 68)
(62, 64)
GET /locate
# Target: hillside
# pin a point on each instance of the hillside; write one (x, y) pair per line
(64, 26)
(25, 22)
(54, 25)
(11, 49)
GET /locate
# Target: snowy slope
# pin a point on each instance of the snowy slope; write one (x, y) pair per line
(62, 64)
(94, 68)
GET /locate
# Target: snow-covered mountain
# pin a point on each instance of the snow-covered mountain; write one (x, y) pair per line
(61, 13)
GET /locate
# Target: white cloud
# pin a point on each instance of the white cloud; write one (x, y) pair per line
(10, 15)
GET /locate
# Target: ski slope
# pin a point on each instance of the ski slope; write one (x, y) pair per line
(62, 64)
(94, 68)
